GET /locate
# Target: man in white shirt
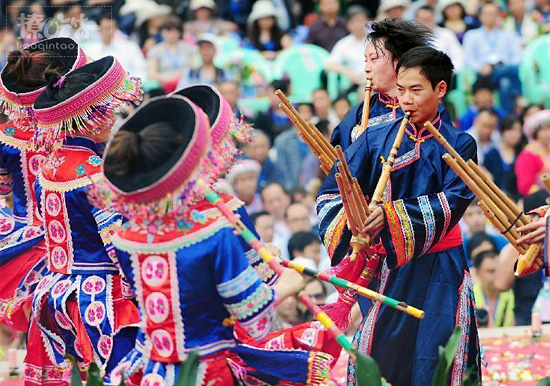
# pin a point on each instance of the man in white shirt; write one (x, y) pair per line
(446, 39)
(114, 42)
(347, 56)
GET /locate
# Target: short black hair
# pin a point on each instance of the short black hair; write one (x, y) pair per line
(356, 10)
(398, 36)
(508, 122)
(488, 110)
(271, 184)
(480, 257)
(300, 240)
(476, 240)
(254, 216)
(435, 65)
(105, 16)
(323, 126)
(483, 83)
(280, 84)
(425, 8)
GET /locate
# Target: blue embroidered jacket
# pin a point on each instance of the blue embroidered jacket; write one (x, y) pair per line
(77, 233)
(424, 200)
(383, 109)
(190, 276)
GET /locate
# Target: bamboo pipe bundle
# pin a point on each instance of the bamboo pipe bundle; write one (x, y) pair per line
(497, 207)
(499, 221)
(318, 144)
(355, 204)
(386, 169)
(325, 160)
(366, 108)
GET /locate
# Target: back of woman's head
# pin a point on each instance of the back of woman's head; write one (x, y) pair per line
(144, 151)
(30, 68)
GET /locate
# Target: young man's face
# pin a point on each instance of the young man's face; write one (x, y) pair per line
(417, 96)
(486, 273)
(380, 68)
(475, 219)
(265, 226)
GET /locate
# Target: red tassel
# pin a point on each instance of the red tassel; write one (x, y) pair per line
(340, 311)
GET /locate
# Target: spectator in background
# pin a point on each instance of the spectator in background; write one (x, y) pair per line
(297, 220)
(274, 121)
(534, 159)
(243, 177)
(168, 59)
(330, 28)
(499, 305)
(476, 222)
(542, 14)
(264, 225)
(496, 54)
(445, 39)
(347, 56)
(264, 33)
(322, 107)
(76, 26)
(258, 150)
(392, 9)
(204, 20)
(291, 152)
(478, 243)
(341, 106)
(115, 43)
(276, 200)
(501, 160)
(149, 16)
(33, 28)
(305, 245)
(528, 111)
(455, 17)
(521, 22)
(306, 111)
(207, 72)
(8, 43)
(236, 11)
(412, 10)
(483, 99)
(485, 132)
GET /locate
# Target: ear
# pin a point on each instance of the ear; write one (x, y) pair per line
(441, 89)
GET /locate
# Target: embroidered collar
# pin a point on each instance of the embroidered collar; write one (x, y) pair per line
(83, 166)
(390, 102)
(419, 135)
(199, 216)
(168, 234)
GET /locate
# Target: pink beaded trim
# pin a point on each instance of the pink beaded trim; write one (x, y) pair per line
(181, 172)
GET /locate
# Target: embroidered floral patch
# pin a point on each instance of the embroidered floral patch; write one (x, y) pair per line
(198, 217)
(80, 170)
(184, 226)
(10, 131)
(94, 160)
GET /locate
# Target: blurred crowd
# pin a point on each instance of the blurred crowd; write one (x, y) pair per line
(313, 50)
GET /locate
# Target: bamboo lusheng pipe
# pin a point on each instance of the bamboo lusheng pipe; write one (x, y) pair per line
(482, 195)
(305, 126)
(386, 169)
(493, 195)
(351, 221)
(366, 108)
(325, 159)
(496, 223)
(508, 203)
(545, 178)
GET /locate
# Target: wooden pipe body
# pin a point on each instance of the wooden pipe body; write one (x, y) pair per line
(386, 169)
(366, 108)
